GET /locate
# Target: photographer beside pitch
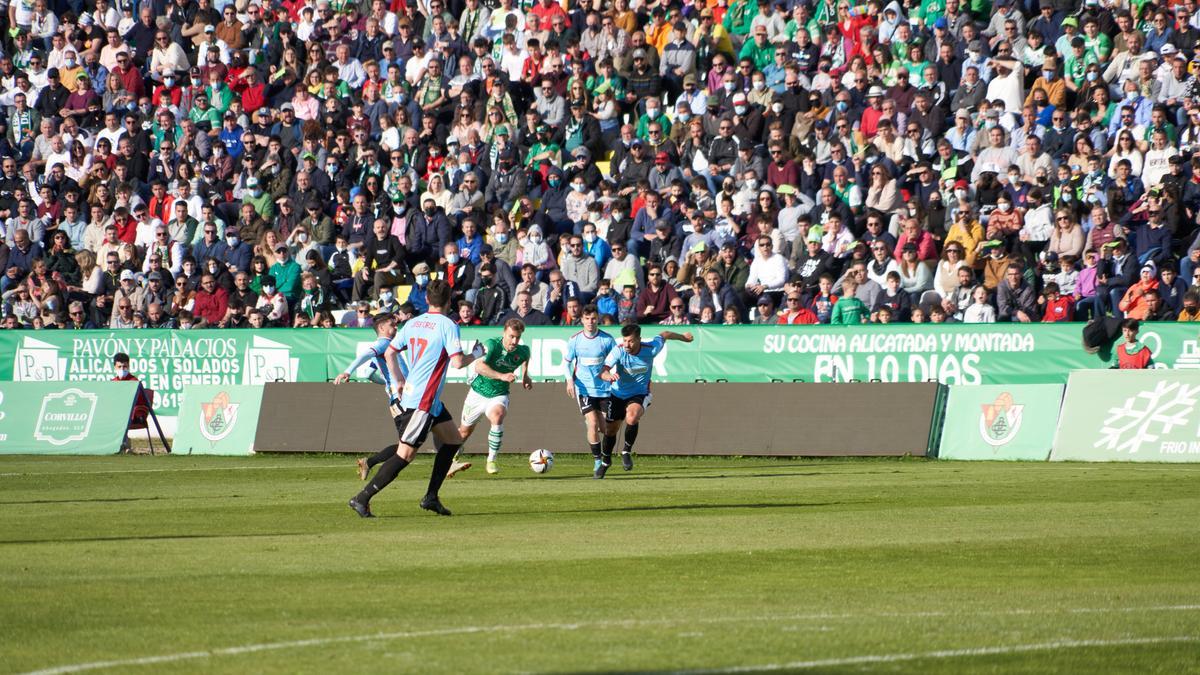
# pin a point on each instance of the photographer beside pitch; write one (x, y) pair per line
(433, 345)
(627, 369)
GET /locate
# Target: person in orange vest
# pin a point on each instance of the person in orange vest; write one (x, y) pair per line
(1131, 354)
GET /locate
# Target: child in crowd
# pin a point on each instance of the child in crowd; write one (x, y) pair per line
(606, 299)
(1058, 307)
(627, 305)
(849, 310)
(980, 311)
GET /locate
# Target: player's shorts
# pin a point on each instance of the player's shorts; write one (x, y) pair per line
(617, 405)
(589, 403)
(477, 404)
(413, 424)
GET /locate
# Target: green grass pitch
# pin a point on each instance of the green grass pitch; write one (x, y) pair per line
(176, 564)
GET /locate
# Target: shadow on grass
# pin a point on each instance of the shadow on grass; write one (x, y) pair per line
(619, 475)
(112, 500)
(661, 507)
(151, 537)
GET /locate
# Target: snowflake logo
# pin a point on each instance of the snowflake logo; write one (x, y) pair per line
(1145, 417)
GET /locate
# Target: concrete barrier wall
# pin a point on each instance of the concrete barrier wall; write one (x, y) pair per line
(853, 419)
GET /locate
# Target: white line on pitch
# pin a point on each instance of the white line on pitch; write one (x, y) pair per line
(467, 630)
(942, 654)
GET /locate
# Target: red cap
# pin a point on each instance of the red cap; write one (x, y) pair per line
(662, 157)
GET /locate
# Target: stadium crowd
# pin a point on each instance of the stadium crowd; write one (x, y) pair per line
(218, 163)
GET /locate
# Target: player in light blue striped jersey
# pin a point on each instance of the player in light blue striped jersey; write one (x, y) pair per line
(628, 368)
(586, 351)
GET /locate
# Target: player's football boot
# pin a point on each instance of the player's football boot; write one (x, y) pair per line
(457, 467)
(600, 469)
(363, 469)
(363, 510)
(627, 461)
(491, 467)
(434, 504)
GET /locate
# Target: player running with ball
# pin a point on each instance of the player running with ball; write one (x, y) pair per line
(628, 369)
(431, 345)
(586, 351)
(489, 390)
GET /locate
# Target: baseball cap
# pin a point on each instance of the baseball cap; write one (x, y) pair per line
(252, 182)
(421, 268)
(662, 157)
(127, 275)
(581, 152)
(154, 276)
(941, 23)
(1071, 21)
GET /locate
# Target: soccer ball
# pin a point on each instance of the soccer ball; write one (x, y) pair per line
(540, 461)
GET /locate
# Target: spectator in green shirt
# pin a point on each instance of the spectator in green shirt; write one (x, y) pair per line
(849, 310)
(286, 273)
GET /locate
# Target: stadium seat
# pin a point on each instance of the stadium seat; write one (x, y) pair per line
(140, 418)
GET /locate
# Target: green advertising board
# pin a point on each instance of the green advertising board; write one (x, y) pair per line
(217, 419)
(1130, 416)
(167, 361)
(1000, 421)
(64, 418)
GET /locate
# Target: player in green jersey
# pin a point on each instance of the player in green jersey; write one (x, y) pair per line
(489, 389)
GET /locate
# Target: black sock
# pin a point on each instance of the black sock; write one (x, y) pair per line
(610, 442)
(595, 448)
(630, 436)
(386, 474)
(382, 456)
(441, 464)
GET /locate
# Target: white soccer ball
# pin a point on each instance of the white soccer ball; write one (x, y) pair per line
(541, 461)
